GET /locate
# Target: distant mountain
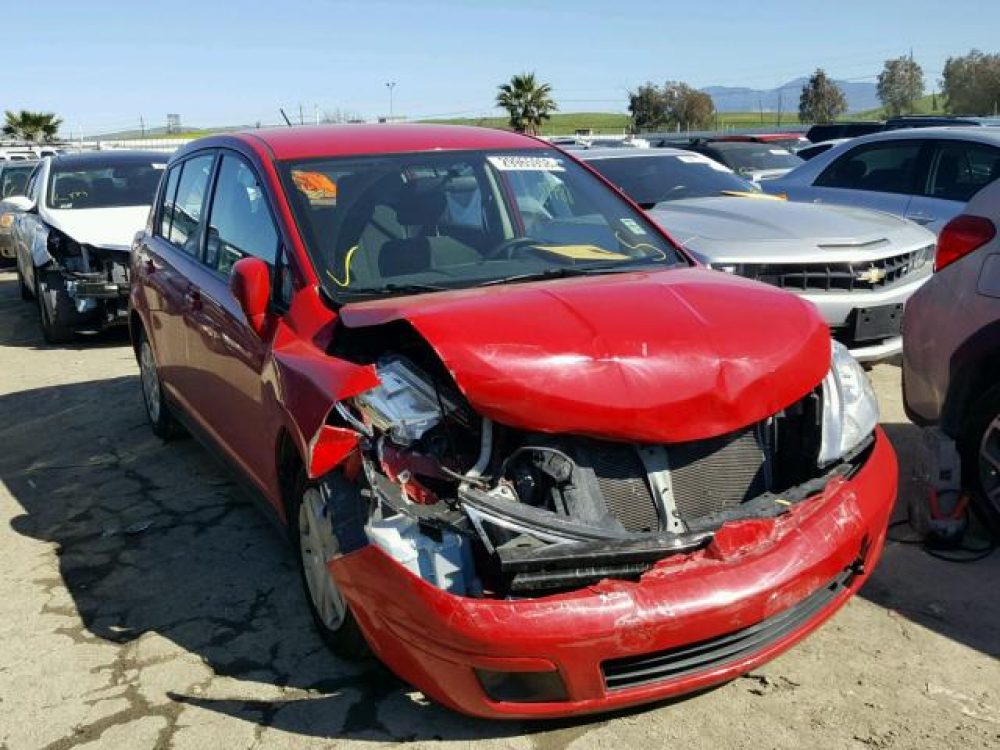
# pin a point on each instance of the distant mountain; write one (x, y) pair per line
(860, 96)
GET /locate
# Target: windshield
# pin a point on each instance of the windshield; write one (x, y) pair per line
(750, 157)
(104, 186)
(449, 219)
(649, 180)
(13, 180)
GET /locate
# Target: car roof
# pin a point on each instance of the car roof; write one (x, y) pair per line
(314, 141)
(736, 145)
(985, 134)
(102, 158)
(628, 153)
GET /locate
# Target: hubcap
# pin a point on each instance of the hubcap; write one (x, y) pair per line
(150, 382)
(317, 545)
(989, 463)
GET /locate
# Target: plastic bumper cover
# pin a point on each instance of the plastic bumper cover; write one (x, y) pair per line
(756, 576)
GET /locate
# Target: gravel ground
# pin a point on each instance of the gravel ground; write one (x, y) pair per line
(144, 603)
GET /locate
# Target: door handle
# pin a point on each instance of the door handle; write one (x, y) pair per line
(192, 297)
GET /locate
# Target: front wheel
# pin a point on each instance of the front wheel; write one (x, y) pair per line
(980, 448)
(22, 285)
(314, 541)
(54, 306)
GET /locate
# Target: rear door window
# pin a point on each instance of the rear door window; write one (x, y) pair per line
(189, 203)
(240, 225)
(166, 207)
(889, 167)
(959, 170)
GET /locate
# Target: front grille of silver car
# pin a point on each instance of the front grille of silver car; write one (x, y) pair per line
(835, 277)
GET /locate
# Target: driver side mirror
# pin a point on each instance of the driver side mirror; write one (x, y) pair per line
(19, 202)
(250, 284)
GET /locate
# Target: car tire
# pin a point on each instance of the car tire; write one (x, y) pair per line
(53, 308)
(314, 543)
(22, 285)
(979, 445)
(161, 419)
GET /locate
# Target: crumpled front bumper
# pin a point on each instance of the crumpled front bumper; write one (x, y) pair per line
(755, 573)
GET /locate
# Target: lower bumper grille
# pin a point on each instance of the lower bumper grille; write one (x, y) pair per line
(709, 654)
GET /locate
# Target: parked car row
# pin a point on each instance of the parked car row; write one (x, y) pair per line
(529, 450)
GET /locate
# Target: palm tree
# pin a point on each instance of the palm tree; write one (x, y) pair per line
(31, 126)
(528, 102)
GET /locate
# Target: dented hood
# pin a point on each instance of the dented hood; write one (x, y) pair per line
(111, 228)
(652, 357)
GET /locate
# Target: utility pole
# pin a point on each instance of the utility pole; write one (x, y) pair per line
(142, 126)
(390, 85)
(302, 119)
(316, 113)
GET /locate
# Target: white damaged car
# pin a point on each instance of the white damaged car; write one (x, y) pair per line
(72, 233)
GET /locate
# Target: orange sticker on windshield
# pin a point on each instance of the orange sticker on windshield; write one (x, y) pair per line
(316, 186)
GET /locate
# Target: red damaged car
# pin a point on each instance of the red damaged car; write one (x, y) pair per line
(527, 453)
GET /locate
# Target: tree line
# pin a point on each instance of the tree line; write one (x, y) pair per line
(969, 85)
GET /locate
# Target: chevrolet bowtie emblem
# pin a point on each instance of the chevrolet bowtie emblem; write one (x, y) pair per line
(871, 275)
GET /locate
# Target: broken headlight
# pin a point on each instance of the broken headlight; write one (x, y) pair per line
(850, 410)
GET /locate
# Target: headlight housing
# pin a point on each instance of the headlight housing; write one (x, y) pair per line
(850, 409)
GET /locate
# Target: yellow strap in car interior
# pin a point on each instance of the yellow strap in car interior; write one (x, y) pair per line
(581, 252)
(347, 269)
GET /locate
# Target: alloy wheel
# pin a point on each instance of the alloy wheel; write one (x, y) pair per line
(150, 381)
(317, 544)
(989, 463)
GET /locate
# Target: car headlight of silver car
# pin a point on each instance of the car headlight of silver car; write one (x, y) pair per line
(850, 410)
(923, 256)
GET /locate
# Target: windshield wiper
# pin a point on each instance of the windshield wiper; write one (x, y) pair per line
(559, 273)
(392, 289)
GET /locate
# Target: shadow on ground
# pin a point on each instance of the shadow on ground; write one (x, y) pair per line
(154, 537)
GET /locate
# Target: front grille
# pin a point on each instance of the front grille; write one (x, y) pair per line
(622, 480)
(710, 476)
(834, 277)
(660, 666)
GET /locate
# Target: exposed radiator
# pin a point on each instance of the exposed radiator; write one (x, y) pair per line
(718, 474)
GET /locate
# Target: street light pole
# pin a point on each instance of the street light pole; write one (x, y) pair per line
(390, 85)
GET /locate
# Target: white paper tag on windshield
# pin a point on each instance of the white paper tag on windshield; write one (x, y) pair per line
(526, 163)
(779, 151)
(699, 159)
(633, 226)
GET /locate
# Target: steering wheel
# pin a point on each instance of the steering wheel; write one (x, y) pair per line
(506, 248)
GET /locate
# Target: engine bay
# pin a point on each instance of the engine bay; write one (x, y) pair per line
(483, 509)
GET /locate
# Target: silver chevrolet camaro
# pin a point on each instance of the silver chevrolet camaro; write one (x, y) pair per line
(856, 265)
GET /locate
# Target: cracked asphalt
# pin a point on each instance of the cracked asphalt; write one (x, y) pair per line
(144, 603)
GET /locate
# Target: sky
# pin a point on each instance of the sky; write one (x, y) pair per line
(102, 66)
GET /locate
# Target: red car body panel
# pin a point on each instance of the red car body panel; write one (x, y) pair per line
(576, 355)
(587, 356)
(751, 571)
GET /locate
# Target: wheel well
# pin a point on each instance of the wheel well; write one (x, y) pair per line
(975, 368)
(290, 468)
(134, 327)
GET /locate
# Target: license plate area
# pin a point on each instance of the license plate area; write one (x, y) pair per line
(882, 322)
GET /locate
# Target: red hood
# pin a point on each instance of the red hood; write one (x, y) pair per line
(650, 357)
